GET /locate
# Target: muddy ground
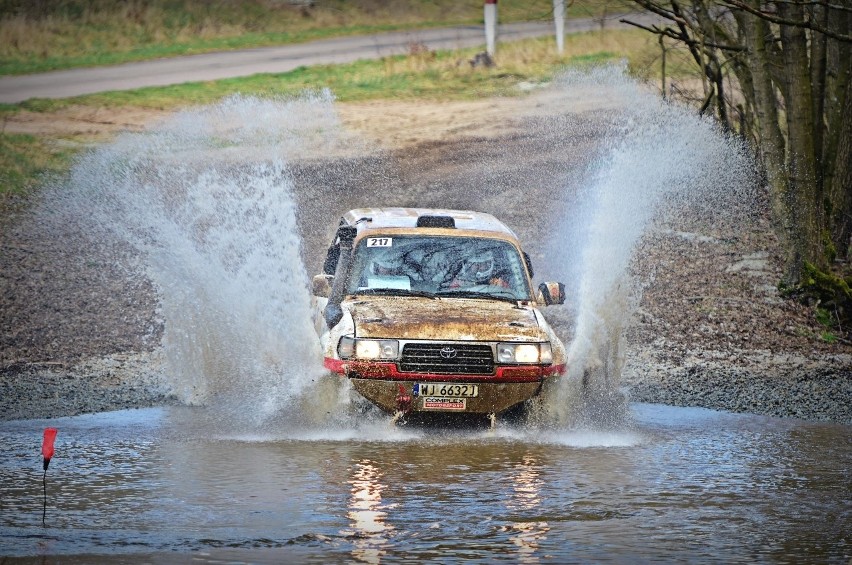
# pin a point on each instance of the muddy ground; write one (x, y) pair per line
(80, 333)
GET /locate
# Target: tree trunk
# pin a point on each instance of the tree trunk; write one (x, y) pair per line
(771, 146)
(712, 67)
(842, 180)
(803, 196)
(818, 69)
(838, 133)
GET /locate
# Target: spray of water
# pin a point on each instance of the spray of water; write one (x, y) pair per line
(661, 160)
(205, 201)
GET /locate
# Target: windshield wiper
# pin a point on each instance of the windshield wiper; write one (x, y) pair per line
(393, 292)
(505, 295)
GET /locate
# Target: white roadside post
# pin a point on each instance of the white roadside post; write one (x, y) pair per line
(490, 26)
(559, 20)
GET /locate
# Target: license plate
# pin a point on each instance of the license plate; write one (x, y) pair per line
(447, 390)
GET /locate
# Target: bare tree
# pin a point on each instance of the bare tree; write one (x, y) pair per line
(792, 60)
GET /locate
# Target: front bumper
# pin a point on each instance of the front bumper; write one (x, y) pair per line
(393, 391)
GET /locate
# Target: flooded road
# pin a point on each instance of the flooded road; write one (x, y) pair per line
(227, 210)
(675, 484)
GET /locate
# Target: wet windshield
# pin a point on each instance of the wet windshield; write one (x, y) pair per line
(439, 266)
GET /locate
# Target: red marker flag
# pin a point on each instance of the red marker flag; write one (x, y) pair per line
(47, 445)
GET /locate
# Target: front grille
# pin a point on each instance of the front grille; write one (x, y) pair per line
(468, 359)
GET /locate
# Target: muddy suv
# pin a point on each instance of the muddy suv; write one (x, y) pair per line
(434, 311)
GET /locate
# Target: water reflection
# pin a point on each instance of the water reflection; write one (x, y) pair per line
(528, 535)
(366, 512)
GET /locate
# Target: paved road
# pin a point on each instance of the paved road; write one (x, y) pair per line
(213, 66)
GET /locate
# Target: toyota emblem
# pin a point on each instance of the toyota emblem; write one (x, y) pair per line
(448, 352)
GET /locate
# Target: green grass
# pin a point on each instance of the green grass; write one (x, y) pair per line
(444, 75)
(61, 34)
(828, 337)
(824, 317)
(25, 160)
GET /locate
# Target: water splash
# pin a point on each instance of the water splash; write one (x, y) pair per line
(205, 200)
(661, 160)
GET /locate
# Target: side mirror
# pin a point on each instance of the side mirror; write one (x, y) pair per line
(550, 293)
(321, 285)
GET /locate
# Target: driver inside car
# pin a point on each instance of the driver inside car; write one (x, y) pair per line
(387, 265)
(479, 270)
(392, 265)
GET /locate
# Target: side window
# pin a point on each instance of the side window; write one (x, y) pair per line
(505, 269)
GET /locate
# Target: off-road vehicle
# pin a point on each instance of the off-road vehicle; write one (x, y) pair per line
(427, 310)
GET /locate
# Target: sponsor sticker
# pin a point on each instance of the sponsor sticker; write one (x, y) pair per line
(441, 403)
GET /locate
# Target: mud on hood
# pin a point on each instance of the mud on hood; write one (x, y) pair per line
(443, 319)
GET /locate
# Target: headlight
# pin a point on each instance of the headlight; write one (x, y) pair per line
(352, 348)
(524, 353)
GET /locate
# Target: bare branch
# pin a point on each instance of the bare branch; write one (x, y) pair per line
(668, 32)
(709, 98)
(807, 24)
(659, 10)
(844, 8)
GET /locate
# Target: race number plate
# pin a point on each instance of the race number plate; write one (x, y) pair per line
(379, 242)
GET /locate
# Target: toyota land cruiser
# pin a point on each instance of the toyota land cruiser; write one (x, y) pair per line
(428, 310)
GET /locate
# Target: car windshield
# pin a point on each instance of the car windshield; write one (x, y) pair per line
(438, 266)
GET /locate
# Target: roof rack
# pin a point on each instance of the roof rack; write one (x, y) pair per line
(436, 222)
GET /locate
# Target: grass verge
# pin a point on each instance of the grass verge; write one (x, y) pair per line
(443, 75)
(61, 34)
(422, 74)
(25, 159)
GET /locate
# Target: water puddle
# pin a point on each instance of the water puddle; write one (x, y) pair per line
(680, 484)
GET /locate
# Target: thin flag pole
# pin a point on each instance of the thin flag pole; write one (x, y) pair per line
(44, 512)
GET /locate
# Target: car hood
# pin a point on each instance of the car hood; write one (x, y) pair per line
(443, 319)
